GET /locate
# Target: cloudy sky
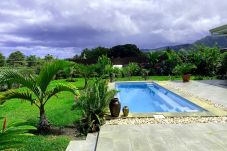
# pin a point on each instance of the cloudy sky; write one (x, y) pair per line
(64, 27)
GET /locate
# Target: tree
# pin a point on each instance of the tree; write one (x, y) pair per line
(163, 62)
(86, 71)
(37, 90)
(94, 53)
(122, 51)
(145, 74)
(207, 59)
(171, 61)
(2, 60)
(16, 58)
(131, 69)
(224, 62)
(31, 60)
(49, 58)
(134, 68)
(103, 66)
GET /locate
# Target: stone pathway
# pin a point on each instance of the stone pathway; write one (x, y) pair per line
(84, 145)
(208, 89)
(163, 137)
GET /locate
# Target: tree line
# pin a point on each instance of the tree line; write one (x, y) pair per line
(209, 61)
(18, 59)
(119, 51)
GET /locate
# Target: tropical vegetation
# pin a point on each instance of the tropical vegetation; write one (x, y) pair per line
(37, 80)
(94, 102)
(36, 89)
(184, 68)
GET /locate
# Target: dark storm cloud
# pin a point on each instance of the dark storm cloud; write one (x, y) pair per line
(56, 36)
(65, 27)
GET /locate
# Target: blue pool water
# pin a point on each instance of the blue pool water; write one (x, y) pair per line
(150, 97)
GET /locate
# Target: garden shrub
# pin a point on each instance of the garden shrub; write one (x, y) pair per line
(184, 68)
(163, 62)
(207, 60)
(224, 62)
(94, 102)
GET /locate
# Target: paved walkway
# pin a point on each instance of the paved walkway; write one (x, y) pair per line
(169, 137)
(214, 90)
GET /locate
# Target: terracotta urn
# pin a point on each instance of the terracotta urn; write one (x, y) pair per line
(115, 107)
(186, 77)
(125, 111)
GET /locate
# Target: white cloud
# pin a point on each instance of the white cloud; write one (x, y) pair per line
(85, 23)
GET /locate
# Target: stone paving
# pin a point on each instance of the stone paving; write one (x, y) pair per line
(214, 90)
(163, 137)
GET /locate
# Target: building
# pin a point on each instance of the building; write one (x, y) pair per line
(220, 31)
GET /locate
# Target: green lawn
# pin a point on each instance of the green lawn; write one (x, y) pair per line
(161, 78)
(59, 113)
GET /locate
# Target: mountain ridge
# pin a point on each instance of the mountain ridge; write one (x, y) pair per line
(211, 41)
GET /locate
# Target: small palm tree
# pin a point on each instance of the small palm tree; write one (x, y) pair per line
(37, 91)
(86, 71)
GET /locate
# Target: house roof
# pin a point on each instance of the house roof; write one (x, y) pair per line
(222, 30)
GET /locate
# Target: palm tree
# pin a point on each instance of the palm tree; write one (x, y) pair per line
(86, 71)
(37, 91)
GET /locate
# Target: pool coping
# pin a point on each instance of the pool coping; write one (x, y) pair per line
(211, 110)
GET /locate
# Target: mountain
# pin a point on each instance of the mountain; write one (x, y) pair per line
(210, 41)
(175, 47)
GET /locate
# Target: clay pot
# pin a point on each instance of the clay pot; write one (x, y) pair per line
(115, 107)
(186, 77)
(125, 111)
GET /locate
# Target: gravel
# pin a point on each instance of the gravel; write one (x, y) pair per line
(169, 120)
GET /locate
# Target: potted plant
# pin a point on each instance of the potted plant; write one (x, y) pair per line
(184, 70)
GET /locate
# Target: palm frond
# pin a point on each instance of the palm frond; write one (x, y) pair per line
(12, 94)
(11, 138)
(49, 71)
(96, 97)
(60, 88)
(13, 76)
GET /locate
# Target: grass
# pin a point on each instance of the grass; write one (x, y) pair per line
(162, 78)
(59, 113)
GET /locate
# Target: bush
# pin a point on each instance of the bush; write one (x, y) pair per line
(206, 59)
(198, 77)
(224, 62)
(145, 74)
(163, 62)
(117, 72)
(70, 80)
(132, 69)
(103, 66)
(94, 101)
(184, 68)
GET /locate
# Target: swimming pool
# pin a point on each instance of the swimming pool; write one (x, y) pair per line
(145, 97)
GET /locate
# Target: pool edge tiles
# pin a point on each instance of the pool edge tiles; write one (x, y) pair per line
(210, 109)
